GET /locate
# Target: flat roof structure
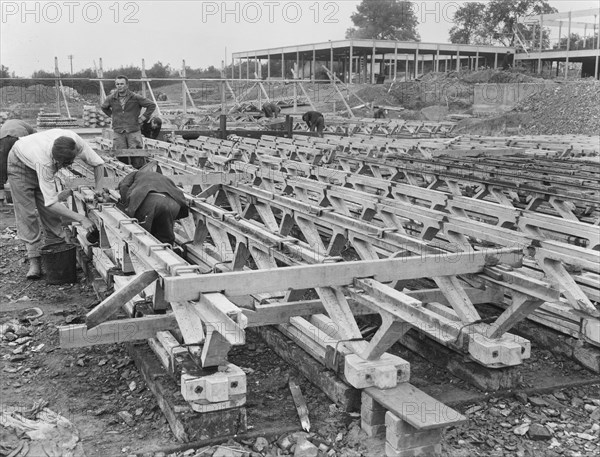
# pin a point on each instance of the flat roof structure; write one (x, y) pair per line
(565, 51)
(363, 58)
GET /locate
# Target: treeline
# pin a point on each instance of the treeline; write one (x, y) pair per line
(80, 80)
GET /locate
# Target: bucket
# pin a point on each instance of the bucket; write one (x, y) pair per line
(59, 263)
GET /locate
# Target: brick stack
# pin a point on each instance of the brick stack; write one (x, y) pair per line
(404, 440)
(401, 438)
(55, 120)
(94, 117)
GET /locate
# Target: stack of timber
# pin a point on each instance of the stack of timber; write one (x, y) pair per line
(55, 120)
(94, 117)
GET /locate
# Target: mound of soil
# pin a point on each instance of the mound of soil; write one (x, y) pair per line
(568, 108)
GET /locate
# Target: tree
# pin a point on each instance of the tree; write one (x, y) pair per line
(499, 22)
(384, 20)
(469, 24)
(159, 70)
(4, 73)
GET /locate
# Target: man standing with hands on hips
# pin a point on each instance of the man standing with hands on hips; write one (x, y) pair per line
(125, 106)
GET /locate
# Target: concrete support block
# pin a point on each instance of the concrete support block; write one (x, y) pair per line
(226, 383)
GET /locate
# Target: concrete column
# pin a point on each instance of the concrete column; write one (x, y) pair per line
(331, 61)
(477, 58)
(406, 72)
(269, 65)
(396, 61)
(282, 65)
(373, 64)
(351, 63)
(568, 47)
(297, 63)
(539, 69)
(598, 53)
(247, 67)
(437, 59)
(417, 61)
(313, 66)
(458, 60)
(495, 60)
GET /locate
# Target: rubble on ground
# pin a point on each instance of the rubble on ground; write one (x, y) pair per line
(565, 108)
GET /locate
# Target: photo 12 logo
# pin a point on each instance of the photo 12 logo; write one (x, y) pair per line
(270, 12)
(70, 12)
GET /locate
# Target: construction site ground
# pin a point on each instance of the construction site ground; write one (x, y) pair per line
(101, 392)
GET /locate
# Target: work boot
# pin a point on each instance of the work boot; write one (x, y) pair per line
(35, 268)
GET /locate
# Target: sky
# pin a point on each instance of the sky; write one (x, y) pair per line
(202, 33)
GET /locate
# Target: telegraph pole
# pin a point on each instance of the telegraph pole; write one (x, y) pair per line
(70, 57)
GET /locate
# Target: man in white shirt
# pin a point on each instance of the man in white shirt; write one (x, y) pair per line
(32, 165)
(10, 132)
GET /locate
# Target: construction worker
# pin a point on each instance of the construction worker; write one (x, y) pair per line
(380, 113)
(33, 163)
(151, 129)
(10, 132)
(315, 122)
(271, 109)
(125, 106)
(155, 201)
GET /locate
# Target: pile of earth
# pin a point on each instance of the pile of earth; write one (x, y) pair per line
(565, 108)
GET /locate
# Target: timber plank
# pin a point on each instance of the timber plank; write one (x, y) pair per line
(415, 407)
(114, 302)
(116, 331)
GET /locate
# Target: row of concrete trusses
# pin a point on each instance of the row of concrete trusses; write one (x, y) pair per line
(391, 127)
(365, 126)
(447, 172)
(429, 223)
(132, 245)
(531, 223)
(503, 193)
(450, 173)
(552, 144)
(223, 251)
(457, 229)
(362, 244)
(486, 211)
(534, 177)
(556, 145)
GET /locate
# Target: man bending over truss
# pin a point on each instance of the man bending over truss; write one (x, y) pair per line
(155, 201)
(33, 163)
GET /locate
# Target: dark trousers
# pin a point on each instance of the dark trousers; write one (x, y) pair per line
(6, 145)
(319, 126)
(157, 215)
